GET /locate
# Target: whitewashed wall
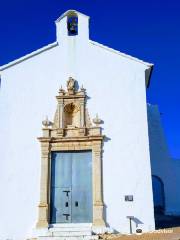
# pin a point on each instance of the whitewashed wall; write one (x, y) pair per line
(116, 87)
(162, 164)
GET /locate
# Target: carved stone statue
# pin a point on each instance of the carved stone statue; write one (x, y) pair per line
(71, 85)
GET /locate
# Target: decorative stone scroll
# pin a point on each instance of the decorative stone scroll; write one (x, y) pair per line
(71, 130)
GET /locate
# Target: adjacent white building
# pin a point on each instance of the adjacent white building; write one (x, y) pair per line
(165, 169)
(122, 163)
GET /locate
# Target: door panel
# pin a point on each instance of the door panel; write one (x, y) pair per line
(61, 207)
(61, 164)
(61, 187)
(81, 187)
(71, 187)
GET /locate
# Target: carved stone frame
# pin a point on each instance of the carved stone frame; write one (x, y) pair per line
(47, 146)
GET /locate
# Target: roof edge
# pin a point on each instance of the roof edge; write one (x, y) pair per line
(32, 54)
(149, 66)
(122, 54)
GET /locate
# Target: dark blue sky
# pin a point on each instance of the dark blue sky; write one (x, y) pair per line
(149, 30)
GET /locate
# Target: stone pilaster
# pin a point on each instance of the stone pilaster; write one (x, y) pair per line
(60, 113)
(44, 186)
(82, 113)
(97, 185)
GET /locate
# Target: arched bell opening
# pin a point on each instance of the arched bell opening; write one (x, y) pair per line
(72, 24)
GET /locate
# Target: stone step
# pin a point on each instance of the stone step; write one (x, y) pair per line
(81, 231)
(67, 232)
(93, 237)
(70, 233)
(75, 229)
(70, 230)
(71, 225)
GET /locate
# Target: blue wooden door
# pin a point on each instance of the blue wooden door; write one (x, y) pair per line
(71, 187)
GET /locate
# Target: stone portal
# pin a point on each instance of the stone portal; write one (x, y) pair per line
(71, 163)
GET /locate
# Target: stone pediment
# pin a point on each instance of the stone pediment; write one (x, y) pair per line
(71, 118)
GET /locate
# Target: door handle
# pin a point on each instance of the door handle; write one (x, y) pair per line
(67, 192)
(67, 216)
(76, 204)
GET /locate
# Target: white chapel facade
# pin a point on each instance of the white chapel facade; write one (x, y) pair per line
(88, 163)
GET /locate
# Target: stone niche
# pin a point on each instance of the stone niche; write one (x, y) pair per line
(71, 130)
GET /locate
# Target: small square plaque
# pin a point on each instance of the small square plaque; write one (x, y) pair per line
(129, 198)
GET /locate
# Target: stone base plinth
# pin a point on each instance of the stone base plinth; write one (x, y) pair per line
(66, 232)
